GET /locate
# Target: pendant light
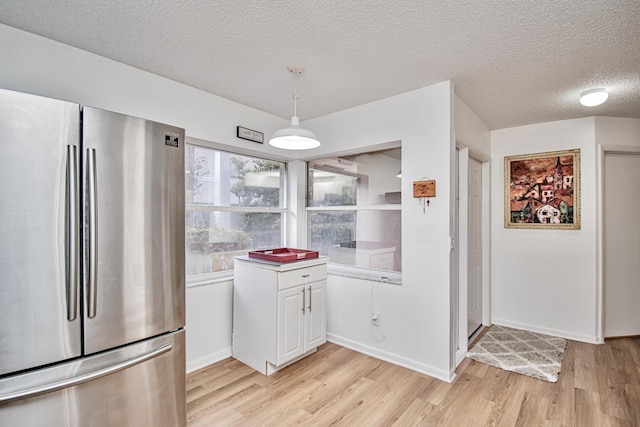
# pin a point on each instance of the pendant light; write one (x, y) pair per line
(294, 137)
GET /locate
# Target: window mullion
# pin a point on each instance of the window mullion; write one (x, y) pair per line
(214, 208)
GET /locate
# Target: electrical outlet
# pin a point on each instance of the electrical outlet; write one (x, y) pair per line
(375, 319)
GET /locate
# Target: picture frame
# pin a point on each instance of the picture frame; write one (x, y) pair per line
(542, 190)
(249, 134)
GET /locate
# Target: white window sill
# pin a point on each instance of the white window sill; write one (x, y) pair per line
(204, 280)
(390, 277)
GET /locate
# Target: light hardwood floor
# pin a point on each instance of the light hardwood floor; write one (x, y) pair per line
(599, 385)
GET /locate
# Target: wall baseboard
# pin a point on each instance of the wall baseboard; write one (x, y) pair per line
(548, 331)
(194, 365)
(393, 358)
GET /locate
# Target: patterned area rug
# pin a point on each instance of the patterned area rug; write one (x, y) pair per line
(528, 353)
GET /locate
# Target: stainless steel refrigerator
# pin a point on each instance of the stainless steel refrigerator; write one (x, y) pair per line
(91, 267)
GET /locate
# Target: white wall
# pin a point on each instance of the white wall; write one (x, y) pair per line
(382, 172)
(612, 135)
(209, 313)
(470, 131)
(545, 280)
(617, 131)
(41, 66)
(415, 316)
(550, 280)
(473, 139)
(44, 67)
(542, 280)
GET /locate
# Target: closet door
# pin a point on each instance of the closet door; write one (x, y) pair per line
(621, 205)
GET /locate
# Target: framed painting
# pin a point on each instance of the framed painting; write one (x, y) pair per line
(542, 190)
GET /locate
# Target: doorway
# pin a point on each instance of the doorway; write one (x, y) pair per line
(470, 248)
(474, 267)
(621, 243)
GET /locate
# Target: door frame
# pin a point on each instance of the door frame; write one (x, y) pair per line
(601, 151)
(462, 247)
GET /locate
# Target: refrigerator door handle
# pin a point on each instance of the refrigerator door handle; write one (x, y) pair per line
(72, 236)
(92, 244)
(70, 382)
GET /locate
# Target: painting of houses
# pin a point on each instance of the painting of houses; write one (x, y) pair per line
(543, 190)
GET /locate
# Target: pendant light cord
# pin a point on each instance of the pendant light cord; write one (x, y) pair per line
(295, 92)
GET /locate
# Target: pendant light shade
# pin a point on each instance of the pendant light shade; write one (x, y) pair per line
(294, 137)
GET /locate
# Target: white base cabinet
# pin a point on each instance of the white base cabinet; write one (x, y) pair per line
(279, 313)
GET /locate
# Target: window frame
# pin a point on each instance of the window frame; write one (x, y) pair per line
(363, 273)
(226, 275)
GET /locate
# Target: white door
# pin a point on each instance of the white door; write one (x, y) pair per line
(290, 327)
(621, 204)
(475, 246)
(316, 322)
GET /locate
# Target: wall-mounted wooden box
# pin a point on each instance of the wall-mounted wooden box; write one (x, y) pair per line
(424, 188)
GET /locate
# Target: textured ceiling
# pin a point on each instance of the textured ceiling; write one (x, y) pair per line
(513, 62)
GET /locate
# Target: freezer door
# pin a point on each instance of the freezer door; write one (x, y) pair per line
(141, 385)
(134, 276)
(39, 226)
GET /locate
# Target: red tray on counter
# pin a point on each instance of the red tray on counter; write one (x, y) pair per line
(283, 254)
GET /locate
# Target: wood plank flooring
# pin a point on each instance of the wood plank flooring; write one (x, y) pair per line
(599, 385)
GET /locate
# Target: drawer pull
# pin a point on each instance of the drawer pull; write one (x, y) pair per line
(306, 275)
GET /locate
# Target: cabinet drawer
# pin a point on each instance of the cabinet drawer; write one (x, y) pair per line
(289, 279)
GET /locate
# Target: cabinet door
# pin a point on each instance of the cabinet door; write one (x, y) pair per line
(315, 319)
(290, 328)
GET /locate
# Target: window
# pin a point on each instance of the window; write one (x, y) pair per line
(354, 212)
(234, 203)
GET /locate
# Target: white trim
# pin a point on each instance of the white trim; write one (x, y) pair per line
(353, 151)
(601, 151)
(209, 359)
(390, 207)
(463, 251)
(368, 274)
(214, 208)
(548, 331)
(393, 358)
(454, 258)
(235, 150)
(486, 242)
(296, 219)
(209, 279)
(599, 242)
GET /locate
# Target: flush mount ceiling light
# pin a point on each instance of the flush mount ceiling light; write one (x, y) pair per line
(294, 137)
(593, 97)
